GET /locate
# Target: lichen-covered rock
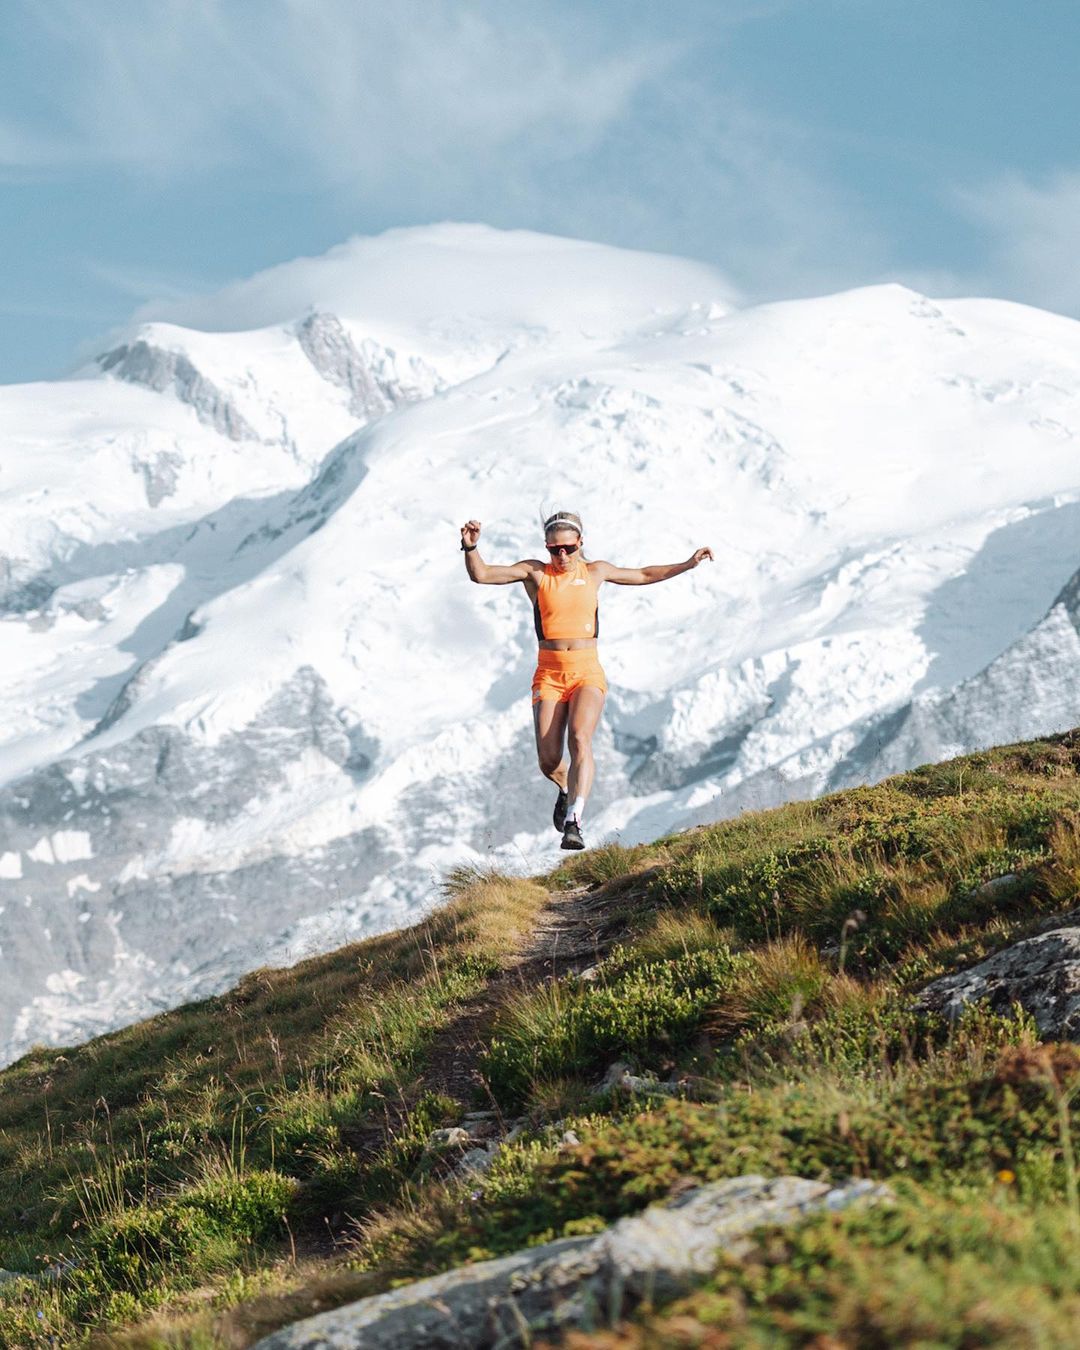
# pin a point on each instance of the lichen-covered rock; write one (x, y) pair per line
(1041, 974)
(997, 886)
(573, 1282)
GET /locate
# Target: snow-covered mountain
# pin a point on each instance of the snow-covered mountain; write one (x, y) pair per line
(251, 705)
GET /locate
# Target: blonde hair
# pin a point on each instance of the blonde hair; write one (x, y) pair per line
(569, 520)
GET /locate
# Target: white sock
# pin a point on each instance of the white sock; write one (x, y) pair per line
(577, 810)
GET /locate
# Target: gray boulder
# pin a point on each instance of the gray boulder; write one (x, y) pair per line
(1041, 973)
(575, 1282)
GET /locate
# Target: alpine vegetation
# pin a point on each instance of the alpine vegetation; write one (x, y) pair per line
(790, 1079)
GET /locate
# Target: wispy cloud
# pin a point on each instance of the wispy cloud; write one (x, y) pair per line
(427, 109)
(1033, 231)
(139, 282)
(344, 92)
(558, 117)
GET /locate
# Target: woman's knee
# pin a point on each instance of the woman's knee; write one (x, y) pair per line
(580, 744)
(548, 761)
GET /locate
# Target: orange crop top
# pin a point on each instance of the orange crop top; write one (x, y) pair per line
(566, 605)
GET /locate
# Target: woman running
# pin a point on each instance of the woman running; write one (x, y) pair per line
(569, 686)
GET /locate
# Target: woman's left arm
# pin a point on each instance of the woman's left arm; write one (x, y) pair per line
(648, 576)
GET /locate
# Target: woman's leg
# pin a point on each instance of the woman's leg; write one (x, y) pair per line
(586, 705)
(549, 720)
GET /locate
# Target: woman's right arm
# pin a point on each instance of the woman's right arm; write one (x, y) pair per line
(490, 574)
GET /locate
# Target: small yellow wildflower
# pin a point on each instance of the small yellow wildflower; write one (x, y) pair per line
(1006, 1177)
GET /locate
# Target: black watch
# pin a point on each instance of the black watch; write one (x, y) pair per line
(468, 548)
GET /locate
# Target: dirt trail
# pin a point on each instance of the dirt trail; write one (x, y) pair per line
(573, 931)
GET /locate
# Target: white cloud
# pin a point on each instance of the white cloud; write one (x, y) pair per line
(1034, 238)
(555, 117)
(340, 91)
(706, 176)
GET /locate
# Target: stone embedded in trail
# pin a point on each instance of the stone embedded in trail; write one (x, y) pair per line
(575, 1282)
(619, 1076)
(475, 1163)
(1041, 973)
(453, 1137)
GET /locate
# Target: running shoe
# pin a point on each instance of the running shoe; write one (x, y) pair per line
(562, 801)
(571, 836)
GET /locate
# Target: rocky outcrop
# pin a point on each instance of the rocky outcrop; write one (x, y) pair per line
(172, 372)
(328, 346)
(1069, 599)
(89, 892)
(160, 475)
(575, 1282)
(1028, 690)
(1041, 974)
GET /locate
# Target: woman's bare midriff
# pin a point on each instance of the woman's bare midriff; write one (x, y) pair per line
(567, 644)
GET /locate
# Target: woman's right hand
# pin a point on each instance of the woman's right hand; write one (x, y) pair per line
(470, 533)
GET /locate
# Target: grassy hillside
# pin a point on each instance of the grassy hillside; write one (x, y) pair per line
(220, 1170)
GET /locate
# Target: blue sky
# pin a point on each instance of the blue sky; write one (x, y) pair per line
(151, 150)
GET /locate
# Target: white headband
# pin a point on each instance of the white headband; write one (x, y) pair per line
(554, 525)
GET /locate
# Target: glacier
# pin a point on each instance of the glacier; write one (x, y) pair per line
(252, 708)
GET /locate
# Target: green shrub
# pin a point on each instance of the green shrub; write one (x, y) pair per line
(909, 866)
(869, 1032)
(133, 1258)
(942, 1128)
(251, 1207)
(133, 1248)
(635, 1009)
(921, 1272)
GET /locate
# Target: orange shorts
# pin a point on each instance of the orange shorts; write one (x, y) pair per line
(559, 675)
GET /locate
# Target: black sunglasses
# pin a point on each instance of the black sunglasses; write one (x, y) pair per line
(562, 548)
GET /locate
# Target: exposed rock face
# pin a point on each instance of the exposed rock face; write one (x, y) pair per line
(20, 588)
(164, 371)
(1069, 599)
(160, 475)
(101, 829)
(1041, 973)
(336, 357)
(1028, 690)
(576, 1282)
